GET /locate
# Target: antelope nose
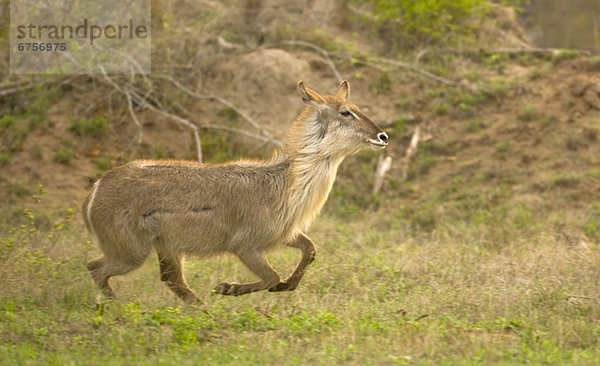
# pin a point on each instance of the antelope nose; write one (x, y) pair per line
(383, 137)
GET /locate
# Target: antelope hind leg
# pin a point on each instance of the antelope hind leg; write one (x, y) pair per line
(309, 251)
(258, 264)
(96, 268)
(105, 267)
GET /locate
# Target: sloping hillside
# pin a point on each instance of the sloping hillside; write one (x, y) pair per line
(518, 127)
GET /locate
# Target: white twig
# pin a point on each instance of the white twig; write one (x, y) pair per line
(135, 119)
(198, 145)
(383, 166)
(410, 152)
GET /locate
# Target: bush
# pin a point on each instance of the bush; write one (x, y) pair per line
(94, 127)
(425, 21)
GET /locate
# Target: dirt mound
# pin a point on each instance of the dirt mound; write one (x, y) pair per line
(264, 83)
(571, 89)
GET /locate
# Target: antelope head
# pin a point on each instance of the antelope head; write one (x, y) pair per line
(339, 127)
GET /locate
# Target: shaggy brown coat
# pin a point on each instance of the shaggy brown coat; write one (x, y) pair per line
(243, 207)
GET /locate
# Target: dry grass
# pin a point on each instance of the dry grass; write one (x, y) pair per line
(375, 295)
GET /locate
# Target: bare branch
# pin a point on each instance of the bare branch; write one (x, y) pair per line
(420, 71)
(403, 65)
(27, 85)
(222, 101)
(507, 51)
(142, 101)
(242, 132)
(135, 119)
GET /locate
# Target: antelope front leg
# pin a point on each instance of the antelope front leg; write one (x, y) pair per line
(309, 251)
(258, 264)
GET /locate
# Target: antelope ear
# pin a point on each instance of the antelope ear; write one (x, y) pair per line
(309, 96)
(343, 91)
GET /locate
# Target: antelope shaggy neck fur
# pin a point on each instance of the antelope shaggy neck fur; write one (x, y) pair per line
(245, 207)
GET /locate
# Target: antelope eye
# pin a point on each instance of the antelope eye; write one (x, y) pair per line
(345, 113)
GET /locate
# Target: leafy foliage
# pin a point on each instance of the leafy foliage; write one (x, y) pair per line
(94, 127)
(411, 23)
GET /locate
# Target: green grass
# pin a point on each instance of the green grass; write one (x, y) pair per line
(160, 152)
(595, 63)
(23, 119)
(528, 114)
(464, 285)
(94, 127)
(475, 125)
(563, 55)
(503, 146)
(65, 152)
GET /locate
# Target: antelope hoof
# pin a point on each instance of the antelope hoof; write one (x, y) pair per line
(225, 288)
(283, 286)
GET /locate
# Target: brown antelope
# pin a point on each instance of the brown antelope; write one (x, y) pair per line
(242, 207)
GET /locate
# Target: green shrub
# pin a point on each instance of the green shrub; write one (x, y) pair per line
(441, 108)
(591, 227)
(595, 63)
(528, 114)
(94, 127)
(475, 125)
(7, 120)
(5, 156)
(502, 146)
(103, 164)
(414, 22)
(400, 125)
(384, 84)
(563, 55)
(65, 153)
(160, 152)
(37, 152)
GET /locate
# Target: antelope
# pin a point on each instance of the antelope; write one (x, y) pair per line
(246, 208)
